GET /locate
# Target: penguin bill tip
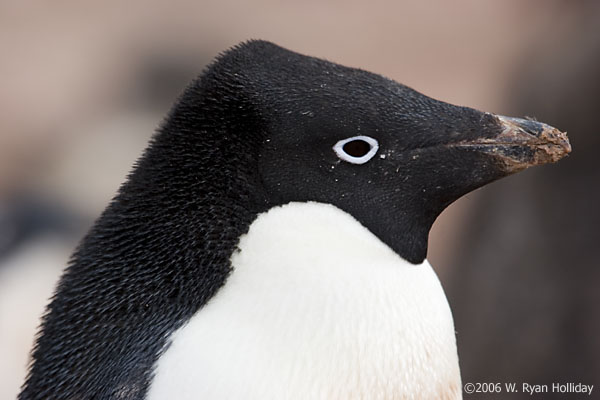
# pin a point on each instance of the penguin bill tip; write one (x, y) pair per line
(523, 143)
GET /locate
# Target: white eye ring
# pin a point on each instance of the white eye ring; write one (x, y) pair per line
(342, 154)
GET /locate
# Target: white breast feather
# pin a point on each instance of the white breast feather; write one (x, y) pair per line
(317, 307)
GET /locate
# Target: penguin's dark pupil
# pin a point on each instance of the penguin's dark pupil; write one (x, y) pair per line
(357, 148)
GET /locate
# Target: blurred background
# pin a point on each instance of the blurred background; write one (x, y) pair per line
(83, 85)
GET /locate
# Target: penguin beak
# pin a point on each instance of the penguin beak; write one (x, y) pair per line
(522, 143)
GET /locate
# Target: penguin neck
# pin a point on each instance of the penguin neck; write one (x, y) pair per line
(155, 256)
(213, 155)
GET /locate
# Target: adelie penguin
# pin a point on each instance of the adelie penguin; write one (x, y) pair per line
(271, 242)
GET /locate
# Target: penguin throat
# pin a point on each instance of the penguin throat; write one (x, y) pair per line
(316, 307)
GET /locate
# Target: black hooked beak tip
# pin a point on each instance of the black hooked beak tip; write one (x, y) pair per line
(522, 143)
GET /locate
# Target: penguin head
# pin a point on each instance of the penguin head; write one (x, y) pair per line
(391, 157)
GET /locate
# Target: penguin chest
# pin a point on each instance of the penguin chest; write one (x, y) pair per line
(316, 307)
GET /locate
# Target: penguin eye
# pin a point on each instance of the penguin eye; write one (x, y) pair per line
(357, 149)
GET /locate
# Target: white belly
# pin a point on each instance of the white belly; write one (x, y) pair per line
(317, 307)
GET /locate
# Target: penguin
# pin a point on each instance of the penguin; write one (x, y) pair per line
(271, 242)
